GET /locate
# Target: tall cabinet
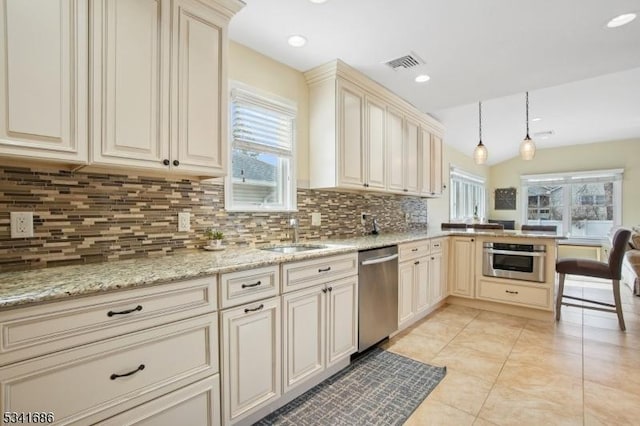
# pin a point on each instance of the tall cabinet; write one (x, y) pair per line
(362, 136)
(43, 79)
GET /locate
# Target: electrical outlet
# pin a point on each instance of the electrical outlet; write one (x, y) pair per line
(21, 224)
(316, 219)
(184, 222)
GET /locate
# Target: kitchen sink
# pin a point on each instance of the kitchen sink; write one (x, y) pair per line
(294, 248)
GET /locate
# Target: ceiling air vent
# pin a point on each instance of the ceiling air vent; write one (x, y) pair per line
(543, 135)
(405, 62)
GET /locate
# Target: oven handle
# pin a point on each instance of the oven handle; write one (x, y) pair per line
(379, 260)
(516, 253)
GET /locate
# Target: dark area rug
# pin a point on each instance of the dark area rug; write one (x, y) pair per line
(379, 388)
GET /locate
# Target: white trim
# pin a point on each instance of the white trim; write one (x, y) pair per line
(572, 177)
(458, 172)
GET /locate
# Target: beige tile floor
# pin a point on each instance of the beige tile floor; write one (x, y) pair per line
(506, 370)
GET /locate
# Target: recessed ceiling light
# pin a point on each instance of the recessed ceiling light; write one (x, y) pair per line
(422, 78)
(536, 119)
(297, 40)
(621, 20)
(318, 1)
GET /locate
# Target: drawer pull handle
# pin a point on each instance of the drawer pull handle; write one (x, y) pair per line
(417, 262)
(251, 285)
(415, 249)
(511, 292)
(247, 310)
(131, 373)
(128, 311)
(327, 269)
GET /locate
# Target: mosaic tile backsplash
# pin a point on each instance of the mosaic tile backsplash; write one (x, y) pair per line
(92, 217)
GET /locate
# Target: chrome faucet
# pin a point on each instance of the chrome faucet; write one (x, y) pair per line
(293, 223)
(376, 228)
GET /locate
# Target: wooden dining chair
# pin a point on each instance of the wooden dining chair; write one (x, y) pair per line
(610, 270)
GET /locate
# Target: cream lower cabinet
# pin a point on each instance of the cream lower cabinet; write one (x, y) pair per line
(43, 80)
(462, 266)
(413, 290)
(438, 265)
(251, 358)
(320, 329)
(196, 404)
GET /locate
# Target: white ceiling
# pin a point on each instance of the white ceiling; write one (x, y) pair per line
(490, 50)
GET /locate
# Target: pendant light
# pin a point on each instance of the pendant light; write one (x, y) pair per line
(527, 147)
(480, 154)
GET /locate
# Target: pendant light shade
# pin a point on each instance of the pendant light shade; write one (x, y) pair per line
(480, 154)
(527, 147)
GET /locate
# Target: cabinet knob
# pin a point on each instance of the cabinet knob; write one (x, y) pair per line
(176, 163)
(417, 262)
(405, 190)
(472, 240)
(165, 162)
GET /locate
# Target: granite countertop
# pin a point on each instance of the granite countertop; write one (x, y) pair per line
(43, 285)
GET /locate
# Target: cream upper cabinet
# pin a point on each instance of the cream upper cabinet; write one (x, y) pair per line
(426, 158)
(411, 154)
(361, 136)
(129, 98)
(462, 266)
(159, 96)
(376, 143)
(395, 150)
(43, 79)
(198, 88)
(437, 185)
(350, 135)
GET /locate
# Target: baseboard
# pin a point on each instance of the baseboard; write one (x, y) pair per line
(419, 317)
(502, 308)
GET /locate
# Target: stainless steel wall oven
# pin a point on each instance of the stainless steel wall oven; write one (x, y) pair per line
(516, 261)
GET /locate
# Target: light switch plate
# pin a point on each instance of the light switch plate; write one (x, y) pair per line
(316, 219)
(184, 222)
(21, 224)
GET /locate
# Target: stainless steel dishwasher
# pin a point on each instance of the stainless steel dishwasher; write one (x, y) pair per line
(377, 295)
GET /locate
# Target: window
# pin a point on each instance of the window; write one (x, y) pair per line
(262, 175)
(584, 205)
(468, 196)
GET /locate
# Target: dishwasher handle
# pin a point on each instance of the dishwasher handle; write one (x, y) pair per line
(379, 260)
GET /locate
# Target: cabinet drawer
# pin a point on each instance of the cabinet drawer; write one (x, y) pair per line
(436, 246)
(36, 330)
(96, 381)
(317, 271)
(196, 404)
(533, 297)
(241, 287)
(408, 251)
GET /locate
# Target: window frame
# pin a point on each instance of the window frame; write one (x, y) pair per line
(566, 180)
(457, 177)
(263, 99)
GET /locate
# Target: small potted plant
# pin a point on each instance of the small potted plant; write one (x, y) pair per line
(215, 238)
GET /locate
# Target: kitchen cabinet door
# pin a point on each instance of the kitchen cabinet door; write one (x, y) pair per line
(436, 165)
(376, 145)
(130, 69)
(251, 359)
(462, 266)
(421, 285)
(425, 163)
(395, 149)
(406, 280)
(438, 291)
(43, 79)
(410, 164)
(350, 138)
(198, 89)
(304, 327)
(342, 319)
